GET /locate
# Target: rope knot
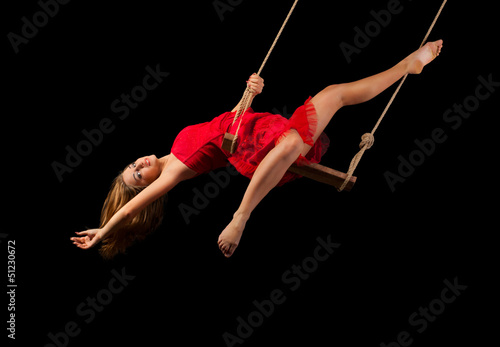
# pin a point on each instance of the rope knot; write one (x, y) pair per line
(367, 140)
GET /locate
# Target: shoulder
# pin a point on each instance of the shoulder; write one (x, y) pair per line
(177, 170)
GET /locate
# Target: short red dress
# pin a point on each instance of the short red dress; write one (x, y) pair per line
(199, 146)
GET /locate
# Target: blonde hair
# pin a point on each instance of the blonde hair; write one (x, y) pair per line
(142, 225)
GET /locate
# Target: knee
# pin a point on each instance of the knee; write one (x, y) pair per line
(336, 93)
(292, 146)
(331, 98)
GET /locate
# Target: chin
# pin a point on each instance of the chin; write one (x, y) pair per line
(152, 159)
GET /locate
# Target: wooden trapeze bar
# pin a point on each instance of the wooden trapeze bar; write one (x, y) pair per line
(323, 174)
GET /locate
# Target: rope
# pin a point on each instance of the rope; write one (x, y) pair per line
(368, 138)
(246, 100)
(277, 37)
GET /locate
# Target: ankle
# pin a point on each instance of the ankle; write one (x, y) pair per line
(241, 215)
(404, 65)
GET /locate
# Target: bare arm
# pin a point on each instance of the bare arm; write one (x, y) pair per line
(174, 173)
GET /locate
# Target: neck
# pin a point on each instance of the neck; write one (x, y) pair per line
(163, 162)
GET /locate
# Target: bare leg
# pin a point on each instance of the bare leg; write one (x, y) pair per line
(327, 102)
(332, 98)
(265, 178)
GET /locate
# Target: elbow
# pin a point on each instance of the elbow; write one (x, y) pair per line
(127, 214)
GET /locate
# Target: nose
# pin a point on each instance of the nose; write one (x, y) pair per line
(139, 163)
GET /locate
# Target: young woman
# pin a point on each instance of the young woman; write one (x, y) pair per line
(268, 145)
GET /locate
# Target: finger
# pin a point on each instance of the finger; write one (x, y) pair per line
(83, 246)
(80, 240)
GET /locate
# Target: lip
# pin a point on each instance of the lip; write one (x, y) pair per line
(148, 163)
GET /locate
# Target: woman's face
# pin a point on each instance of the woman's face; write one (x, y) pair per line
(142, 172)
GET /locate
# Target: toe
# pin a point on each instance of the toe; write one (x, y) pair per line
(231, 250)
(437, 45)
(223, 248)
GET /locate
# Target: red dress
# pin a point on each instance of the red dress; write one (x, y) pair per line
(199, 146)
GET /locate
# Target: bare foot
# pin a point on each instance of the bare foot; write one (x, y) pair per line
(230, 237)
(423, 56)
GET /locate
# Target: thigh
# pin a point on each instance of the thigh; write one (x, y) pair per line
(327, 103)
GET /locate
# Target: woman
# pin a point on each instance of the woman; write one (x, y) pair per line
(269, 145)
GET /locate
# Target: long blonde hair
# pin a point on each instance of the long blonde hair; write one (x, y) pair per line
(142, 225)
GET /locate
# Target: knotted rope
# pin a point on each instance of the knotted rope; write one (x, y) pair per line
(368, 138)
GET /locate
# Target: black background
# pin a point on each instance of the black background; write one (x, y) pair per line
(396, 249)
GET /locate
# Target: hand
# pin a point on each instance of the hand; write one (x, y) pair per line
(89, 238)
(256, 84)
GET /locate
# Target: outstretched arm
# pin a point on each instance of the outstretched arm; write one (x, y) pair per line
(173, 174)
(256, 84)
